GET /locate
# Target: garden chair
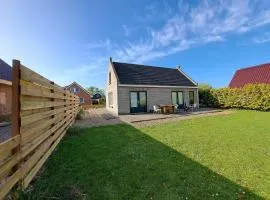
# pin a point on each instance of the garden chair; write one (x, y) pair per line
(177, 108)
(156, 109)
(193, 106)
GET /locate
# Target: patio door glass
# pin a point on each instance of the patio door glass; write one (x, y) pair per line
(138, 102)
(178, 98)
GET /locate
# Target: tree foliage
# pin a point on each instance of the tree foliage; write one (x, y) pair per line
(94, 90)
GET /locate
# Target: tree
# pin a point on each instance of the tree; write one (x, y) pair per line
(94, 90)
(205, 86)
(205, 96)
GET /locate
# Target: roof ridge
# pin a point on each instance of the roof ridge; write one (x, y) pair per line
(145, 65)
(255, 66)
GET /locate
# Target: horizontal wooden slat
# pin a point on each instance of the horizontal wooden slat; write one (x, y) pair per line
(7, 165)
(28, 133)
(31, 76)
(40, 151)
(20, 155)
(37, 141)
(28, 105)
(8, 145)
(33, 172)
(39, 116)
(9, 183)
(30, 89)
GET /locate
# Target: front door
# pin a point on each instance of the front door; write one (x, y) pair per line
(138, 102)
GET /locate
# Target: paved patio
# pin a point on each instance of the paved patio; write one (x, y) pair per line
(97, 117)
(100, 117)
(161, 119)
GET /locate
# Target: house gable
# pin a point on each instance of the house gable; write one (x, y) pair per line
(85, 96)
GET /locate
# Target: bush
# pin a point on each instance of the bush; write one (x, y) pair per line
(205, 96)
(80, 114)
(251, 96)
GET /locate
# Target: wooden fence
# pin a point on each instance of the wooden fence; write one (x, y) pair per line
(42, 112)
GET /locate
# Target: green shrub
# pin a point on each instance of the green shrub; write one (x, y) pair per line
(251, 96)
(80, 114)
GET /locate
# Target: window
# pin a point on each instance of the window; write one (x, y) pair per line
(177, 98)
(110, 78)
(81, 100)
(110, 99)
(191, 97)
(75, 90)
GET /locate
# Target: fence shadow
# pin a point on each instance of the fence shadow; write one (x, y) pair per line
(121, 162)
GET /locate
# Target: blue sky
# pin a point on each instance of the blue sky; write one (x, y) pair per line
(72, 40)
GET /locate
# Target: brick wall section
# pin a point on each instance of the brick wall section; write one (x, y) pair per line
(155, 96)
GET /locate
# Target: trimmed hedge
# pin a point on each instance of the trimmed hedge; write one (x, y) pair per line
(251, 96)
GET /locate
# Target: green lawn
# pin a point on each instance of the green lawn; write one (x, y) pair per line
(221, 157)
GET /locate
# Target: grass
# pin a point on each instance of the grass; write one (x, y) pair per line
(221, 157)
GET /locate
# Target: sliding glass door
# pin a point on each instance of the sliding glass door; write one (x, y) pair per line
(178, 98)
(138, 102)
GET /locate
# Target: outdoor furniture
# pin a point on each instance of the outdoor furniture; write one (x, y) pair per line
(186, 108)
(177, 108)
(192, 107)
(167, 109)
(156, 109)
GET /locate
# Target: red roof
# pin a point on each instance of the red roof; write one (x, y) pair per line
(255, 74)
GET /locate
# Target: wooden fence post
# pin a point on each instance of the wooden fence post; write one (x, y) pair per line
(15, 119)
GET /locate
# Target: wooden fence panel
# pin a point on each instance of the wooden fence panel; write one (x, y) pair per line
(42, 113)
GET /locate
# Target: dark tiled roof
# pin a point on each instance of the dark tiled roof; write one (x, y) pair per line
(255, 74)
(134, 74)
(5, 71)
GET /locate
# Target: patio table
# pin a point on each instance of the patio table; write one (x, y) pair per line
(167, 109)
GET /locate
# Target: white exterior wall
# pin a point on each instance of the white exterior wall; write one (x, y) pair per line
(155, 95)
(112, 88)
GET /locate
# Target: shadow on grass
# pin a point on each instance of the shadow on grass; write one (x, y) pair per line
(120, 162)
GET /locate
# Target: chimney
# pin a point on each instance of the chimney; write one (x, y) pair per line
(110, 59)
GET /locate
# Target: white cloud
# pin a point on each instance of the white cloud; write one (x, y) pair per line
(262, 38)
(128, 30)
(207, 22)
(99, 44)
(155, 11)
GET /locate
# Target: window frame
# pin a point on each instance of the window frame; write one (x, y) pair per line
(110, 99)
(110, 78)
(189, 99)
(177, 99)
(82, 100)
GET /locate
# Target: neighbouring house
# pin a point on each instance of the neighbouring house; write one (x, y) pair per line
(5, 91)
(5, 71)
(85, 96)
(96, 99)
(135, 88)
(251, 75)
